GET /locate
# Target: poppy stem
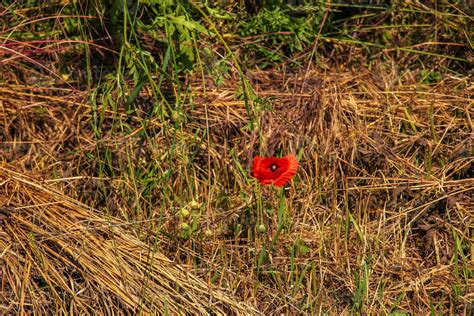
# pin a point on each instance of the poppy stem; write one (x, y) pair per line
(282, 216)
(259, 204)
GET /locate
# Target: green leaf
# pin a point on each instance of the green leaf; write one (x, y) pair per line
(190, 25)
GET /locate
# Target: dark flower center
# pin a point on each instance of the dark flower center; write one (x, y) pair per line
(273, 167)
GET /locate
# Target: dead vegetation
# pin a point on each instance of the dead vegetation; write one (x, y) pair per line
(60, 255)
(377, 220)
(117, 205)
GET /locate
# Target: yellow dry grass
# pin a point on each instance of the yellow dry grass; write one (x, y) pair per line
(60, 255)
(378, 219)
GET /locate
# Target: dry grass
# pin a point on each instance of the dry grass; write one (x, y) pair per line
(60, 255)
(111, 204)
(384, 196)
(379, 218)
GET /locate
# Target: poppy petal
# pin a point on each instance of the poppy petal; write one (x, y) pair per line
(277, 171)
(289, 173)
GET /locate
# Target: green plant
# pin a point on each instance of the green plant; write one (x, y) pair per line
(274, 35)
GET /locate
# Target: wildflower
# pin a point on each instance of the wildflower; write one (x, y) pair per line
(276, 171)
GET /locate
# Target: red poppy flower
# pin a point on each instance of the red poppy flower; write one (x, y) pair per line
(276, 171)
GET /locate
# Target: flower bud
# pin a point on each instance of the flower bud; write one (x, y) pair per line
(184, 212)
